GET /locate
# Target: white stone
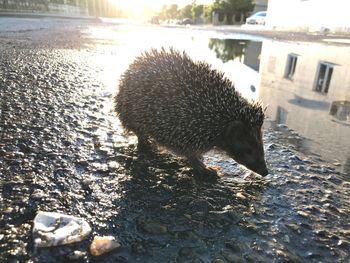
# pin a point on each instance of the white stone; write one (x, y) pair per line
(54, 229)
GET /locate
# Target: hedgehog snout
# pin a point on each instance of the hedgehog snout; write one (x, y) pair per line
(257, 167)
(262, 171)
(254, 162)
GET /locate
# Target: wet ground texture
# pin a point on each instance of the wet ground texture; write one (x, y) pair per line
(62, 150)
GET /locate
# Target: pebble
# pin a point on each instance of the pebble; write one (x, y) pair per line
(233, 245)
(154, 228)
(103, 244)
(344, 244)
(241, 195)
(294, 227)
(8, 210)
(302, 213)
(113, 165)
(76, 255)
(200, 205)
(232, 257)
(38, 194)
(271, 146)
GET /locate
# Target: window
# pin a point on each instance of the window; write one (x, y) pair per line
(323, 77)
(291, 65)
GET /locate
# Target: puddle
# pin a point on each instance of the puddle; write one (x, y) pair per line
(313, 99)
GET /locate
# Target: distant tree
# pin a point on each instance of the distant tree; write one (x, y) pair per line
(186, 12)
(207, 13)
(57, 1)
(5, 3)
(232, 8)
(197, 11)
(172, 11)
(162, 12)
(169, 12)
(228, 49)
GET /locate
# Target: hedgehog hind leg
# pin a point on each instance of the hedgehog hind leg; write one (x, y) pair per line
(143, 144)
(201, 170)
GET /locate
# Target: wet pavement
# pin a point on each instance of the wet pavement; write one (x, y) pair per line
(62, 149)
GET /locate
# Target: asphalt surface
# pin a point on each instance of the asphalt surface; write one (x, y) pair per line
(62, 149)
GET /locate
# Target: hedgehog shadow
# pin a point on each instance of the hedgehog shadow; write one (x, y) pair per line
(152, 162)
(160, 176)
(160, 192)
(156, 165)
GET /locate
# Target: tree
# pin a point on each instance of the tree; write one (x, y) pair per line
(5, 3)
(186, 12)
(162, 13)
(233, 8)
(169, 12)
(172, 11)
(197, 11)
(228, 49)
(207, 13)
(191, 11)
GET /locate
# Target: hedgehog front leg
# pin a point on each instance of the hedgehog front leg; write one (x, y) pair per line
(200, 169)
(143, 143)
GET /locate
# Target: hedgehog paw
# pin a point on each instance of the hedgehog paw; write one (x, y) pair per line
(207, 174)
(144, 145)
(201, 171)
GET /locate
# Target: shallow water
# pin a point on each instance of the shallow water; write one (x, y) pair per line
(62, 149)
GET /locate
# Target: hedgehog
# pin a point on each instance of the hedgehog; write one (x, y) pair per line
(189, 108)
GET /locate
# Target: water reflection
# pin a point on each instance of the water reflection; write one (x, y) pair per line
(244, 51)
(306, 87)
(239, 60)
